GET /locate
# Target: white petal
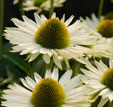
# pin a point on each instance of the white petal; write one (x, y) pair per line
(111, 96)
(63, 18)
(48, 74)
(65, 79)
(37, 77)
(33, 57)
(46, 58)
(54, 15)
(111, 63)
(37, 18)
(30, 82)
(57, 62)
(103, 102)
(73, 83)
(69, 20)
(55, 74)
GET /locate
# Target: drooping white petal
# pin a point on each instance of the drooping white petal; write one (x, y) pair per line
(48, 74)
(37, 77)
(57, 62)
(73, 83)
(65, 79)
(55, 74)
(103, 102)
(46, 58)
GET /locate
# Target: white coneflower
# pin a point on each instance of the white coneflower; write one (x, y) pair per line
(104, 26)
(47, 92)
(104, 30)
(93, 22)
(100, 79)
(53, 38)
(40, 5)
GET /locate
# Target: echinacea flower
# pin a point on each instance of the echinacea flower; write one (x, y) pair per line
(104, 29)
(93, 22)
(53, 38)
(100, 79)
(104, 26)
(49, 91)
(40, 5)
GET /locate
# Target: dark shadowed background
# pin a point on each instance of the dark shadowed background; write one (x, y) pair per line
(75, 7)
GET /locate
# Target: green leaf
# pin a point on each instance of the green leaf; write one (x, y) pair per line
(1, 92)
(38, 66)
(15, 59)
(111, 104)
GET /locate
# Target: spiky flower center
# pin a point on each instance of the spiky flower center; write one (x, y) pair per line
(107, 78)
(38, 2)
(48, 93)
(53, 34)
(106, 28)
(109, 16)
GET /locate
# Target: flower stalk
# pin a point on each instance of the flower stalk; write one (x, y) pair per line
(30, 71)
(100, 8)
(1, 27)
(51, 8)
(21, 7)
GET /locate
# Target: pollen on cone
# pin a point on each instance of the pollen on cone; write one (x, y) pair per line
(53, 34)
(48, 93)
(106, 28)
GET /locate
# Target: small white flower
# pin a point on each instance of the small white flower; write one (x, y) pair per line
(102, 28)
(40, 5)
(93, 22)
(47, 92)
(53, 38)
(100, 80)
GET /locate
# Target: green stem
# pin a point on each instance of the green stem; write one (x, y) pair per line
(43, 71)
(50, 65)
(21, 7)
(51, 8)
(111, 104)
(100, 9)
(77, 68)
(30, 71)
(1, 27)
(47, 67)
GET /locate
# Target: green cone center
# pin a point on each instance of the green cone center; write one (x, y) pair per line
(106, 28)
(53, 34)
(48, 93)
(38, 2)
(107, 78)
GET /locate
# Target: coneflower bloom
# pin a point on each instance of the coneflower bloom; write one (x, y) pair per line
(50, 91)
(100, 79)
(55, 39)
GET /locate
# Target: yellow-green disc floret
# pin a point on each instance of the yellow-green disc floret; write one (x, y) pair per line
(38, 2)
(106, 28)
(107, 78)
(109, 16)
(53, 34)
(48, 93)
